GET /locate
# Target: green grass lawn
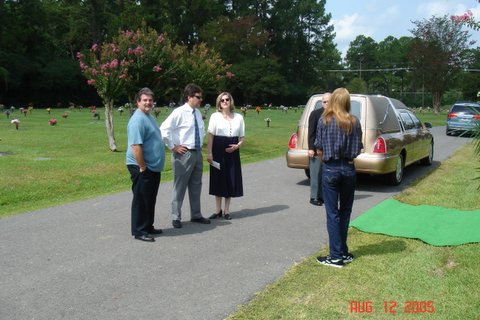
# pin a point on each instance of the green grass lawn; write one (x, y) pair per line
(435, 119)
(391, 278)
(51, 165)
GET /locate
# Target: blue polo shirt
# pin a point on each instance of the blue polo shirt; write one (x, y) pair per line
(143, 129)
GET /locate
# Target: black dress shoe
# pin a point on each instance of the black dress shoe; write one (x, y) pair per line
(316, 202)
(228, 216)
(176, 224)
(155, 231)
(216, 215)
(201, 220)
(144, 237)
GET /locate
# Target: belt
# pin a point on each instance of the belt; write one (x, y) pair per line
(350, 161)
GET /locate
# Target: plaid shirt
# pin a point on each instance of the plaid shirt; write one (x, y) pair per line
(335, 144)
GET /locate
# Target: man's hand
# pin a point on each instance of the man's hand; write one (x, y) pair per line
(320, 154)
(178, 148)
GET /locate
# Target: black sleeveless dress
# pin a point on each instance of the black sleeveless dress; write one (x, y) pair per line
(226, 182)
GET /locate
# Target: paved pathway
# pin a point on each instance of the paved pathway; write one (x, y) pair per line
(78, 261)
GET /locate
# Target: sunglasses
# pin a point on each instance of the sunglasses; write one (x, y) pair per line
(199, 97)
(225, 100)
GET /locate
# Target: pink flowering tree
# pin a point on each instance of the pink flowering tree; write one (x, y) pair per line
(145, 58)
(468, 19)
(117, 69)
(106, 68)
(152, 61)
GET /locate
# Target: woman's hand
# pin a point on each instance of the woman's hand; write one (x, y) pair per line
(231, 148)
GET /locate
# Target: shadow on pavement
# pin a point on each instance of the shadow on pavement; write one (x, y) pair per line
(245, 213)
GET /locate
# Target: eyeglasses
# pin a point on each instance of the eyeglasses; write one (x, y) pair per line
(225, 100)
(199, 97)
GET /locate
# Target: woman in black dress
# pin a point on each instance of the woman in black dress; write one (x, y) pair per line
(226, 130)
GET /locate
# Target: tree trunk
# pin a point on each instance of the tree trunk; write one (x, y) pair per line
(437, 100)
(109, 125)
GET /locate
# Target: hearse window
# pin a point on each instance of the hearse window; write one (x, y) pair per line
(318, 105)
(407, 121)
(356, 108)
(417, 122)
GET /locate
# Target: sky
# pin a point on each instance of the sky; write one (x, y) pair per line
(379, 19)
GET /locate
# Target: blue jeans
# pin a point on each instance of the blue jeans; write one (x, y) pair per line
(338, 182)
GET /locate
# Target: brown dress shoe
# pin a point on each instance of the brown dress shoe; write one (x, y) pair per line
(201, 220)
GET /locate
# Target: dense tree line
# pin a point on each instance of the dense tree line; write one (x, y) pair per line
(432, 68)
(280, 51)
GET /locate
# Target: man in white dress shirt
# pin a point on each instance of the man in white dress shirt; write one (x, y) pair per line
(183, 133)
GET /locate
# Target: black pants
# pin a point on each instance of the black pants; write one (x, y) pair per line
(145, 188)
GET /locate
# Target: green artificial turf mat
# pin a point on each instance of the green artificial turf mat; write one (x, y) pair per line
(437, 226)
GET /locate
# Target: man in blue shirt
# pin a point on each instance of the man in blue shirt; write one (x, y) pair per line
(145, 161)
